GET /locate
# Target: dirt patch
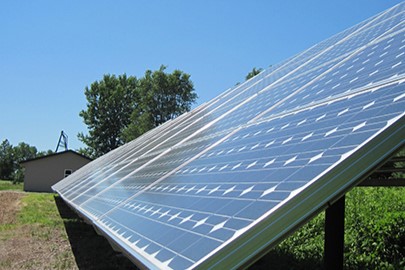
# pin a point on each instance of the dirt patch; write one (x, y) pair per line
(68, 244)
(30, 246)
(10, 204)
(26, 248)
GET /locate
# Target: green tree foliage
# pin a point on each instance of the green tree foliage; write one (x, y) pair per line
(253, 73)
(162, 96)
(119, 109)
(10, 158)
(6, 160)
(22, 152)
(110, 103)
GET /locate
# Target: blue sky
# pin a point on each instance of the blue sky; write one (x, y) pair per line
(51, 50)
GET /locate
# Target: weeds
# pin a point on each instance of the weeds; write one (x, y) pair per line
(8, 185)
(374, 234)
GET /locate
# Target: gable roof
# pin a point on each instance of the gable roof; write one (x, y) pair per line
(56, 154)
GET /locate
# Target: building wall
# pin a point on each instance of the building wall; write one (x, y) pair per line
(42, 173)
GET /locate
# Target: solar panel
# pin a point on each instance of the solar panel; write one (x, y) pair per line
(218, 186)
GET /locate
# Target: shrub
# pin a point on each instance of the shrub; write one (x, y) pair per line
(374, 234)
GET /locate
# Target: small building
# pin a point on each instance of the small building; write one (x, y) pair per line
(43, 172)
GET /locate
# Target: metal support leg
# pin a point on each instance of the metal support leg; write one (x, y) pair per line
(334, 235)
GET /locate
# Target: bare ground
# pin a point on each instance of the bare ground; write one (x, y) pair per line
(10, 204)
(30, 246)
(37, 246)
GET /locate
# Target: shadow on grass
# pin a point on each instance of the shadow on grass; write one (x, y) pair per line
(91, 251)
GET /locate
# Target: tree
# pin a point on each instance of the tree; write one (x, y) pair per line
(162, 96)
(122, 108)
(22, 152)
(6, 160)
(110, 103)
(253, 73)
(10, 158)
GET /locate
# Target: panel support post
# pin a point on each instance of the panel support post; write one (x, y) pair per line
(334, 235)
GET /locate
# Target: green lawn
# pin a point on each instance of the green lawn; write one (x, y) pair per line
(8, 185)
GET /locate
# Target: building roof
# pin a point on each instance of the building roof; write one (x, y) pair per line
(56, 154)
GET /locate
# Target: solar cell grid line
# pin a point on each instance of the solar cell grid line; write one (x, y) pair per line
(374, 87)
(399, 8)
(396, 67)
(361, 38)
(385, 30)
(239, 183)
(272, 73)
(321, 52)
(337, 43)
(223, 190)
(290, 63)
(309, 83)
(370, 33)
(315, 49)
(293, 94)
(325, 62)
(351, 48)
(301, 67)
(269, 85)
(329, 93)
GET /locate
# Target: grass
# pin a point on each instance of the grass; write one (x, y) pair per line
(8, 185)
(39, 212)
(45, 234)
(40, 208)
(32, 234)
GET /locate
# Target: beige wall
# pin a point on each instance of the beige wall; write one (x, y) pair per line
(42, 173)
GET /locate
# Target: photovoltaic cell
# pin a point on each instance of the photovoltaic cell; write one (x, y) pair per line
(226, 181)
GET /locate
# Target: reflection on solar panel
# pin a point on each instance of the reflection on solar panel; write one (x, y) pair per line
(218, 186)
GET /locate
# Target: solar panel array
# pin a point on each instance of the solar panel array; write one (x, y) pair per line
(220, 184)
